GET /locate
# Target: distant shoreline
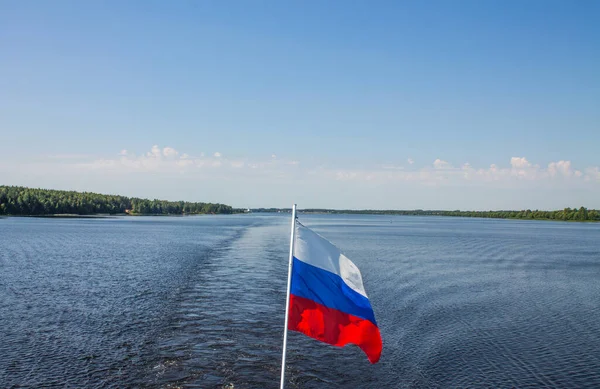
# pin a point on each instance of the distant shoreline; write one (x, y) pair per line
(104, 216)
(113, 216)
(33, 202)
(23, 201)
(581, 214)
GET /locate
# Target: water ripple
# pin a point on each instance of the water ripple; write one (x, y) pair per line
(198, 303)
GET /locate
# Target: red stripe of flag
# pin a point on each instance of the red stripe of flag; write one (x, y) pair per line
(334, 327)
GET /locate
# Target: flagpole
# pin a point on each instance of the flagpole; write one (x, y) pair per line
(287, 298)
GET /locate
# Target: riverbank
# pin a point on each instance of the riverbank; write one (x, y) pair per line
(105, 216)
(580, 214)
(23, 201)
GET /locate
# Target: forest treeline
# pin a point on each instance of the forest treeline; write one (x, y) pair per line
(574, 214)
(17, 200)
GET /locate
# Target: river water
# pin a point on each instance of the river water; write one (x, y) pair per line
(198, 302)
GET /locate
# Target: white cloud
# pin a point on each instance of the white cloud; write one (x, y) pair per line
(439, 164)
(560, 167)
(524, 170)
(519, 162)
(184, 162)
(516, 178)
(516, 172)
(345, 176)
(519, 172)
(392, 167)
(170, 152)
(410, 161)
(154, 152)
(593, 173)
(467, 170)
(123, 152)
(169, 160)
(68, 156)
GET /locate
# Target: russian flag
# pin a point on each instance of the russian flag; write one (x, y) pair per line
(328, 301)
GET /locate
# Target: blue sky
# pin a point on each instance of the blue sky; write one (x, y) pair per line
(433, 104)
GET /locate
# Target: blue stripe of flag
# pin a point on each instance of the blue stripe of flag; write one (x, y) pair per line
(329, 289)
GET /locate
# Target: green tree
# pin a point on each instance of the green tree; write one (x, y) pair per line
(27, 201)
